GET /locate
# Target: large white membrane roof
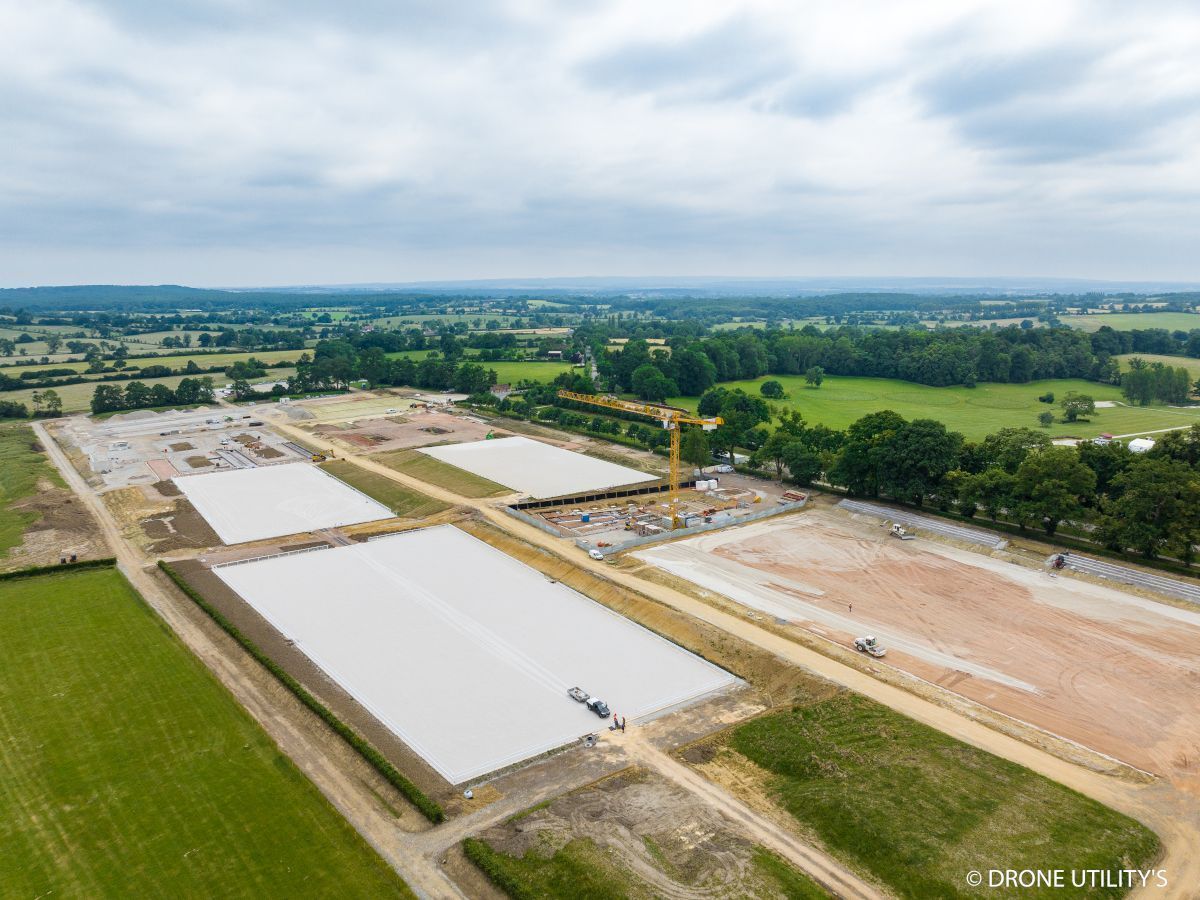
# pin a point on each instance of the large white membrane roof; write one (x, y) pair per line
(272, 501)
(463, 652)
(536, 469)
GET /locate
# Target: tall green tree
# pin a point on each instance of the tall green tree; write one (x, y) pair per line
(1076, 406)
(1051, 486)
(915, 458)
(857, 467)
(1157, 509)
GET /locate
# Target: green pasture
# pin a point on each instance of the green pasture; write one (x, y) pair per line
(130, 771)
(976, 412)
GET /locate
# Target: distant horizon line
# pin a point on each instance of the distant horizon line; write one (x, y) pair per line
(678, 282)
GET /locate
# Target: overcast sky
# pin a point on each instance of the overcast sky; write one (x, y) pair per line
(239, 142)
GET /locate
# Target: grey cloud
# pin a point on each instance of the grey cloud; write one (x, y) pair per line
(1058, 132)
(973, 83)
(724, 62)
(423, 20)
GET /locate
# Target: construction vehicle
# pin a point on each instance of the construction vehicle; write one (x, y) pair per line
(671, 418)
(319, 457)
(598, 706)
(869, 646)
(578, 694)
(898, 531)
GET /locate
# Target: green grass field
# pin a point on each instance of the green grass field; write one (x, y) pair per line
(976, 412)
(21, 467)
(401, 500)
(129, 771)
(512, 372)
(1172, 321)
(919, 809)
(436, 472)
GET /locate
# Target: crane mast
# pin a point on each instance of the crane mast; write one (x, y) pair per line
(671, 420)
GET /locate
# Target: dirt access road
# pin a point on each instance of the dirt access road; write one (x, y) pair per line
(1109, 670)
(1172, 814)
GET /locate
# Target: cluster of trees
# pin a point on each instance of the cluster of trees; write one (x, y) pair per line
(963, 356)
(136, 395)
(1145, 383)
(334, 364)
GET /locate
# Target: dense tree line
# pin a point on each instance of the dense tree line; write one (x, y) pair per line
(335, 364)
(136, 395)
(960, 356)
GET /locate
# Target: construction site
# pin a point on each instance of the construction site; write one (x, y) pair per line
(709, 500)
(1109, 670)
(495, 650)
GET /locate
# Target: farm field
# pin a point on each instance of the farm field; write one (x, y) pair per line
(402, 501)
(1187, 362)
(78, 397)
(506, 372)
(129, 771)
(175, 360)
(976, 412)
(915, 807)
(1172, 321)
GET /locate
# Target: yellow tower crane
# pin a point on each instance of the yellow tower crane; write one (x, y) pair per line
(671, 420)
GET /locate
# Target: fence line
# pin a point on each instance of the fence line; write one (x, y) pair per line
(239, 562)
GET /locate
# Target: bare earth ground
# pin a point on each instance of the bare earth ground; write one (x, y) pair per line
(63, 524)
(696, 852)
(158, 519)
(1112, 671)
(416, 429)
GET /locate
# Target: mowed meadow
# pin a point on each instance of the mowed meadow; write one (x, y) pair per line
(976, 412)
(129, 771)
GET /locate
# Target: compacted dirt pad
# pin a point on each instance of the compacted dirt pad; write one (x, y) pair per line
(1112, 671)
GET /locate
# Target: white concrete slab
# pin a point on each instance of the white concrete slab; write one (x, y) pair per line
(463, 652)
(271, 501)
(537, 469)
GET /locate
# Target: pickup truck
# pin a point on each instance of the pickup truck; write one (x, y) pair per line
(599, 707)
